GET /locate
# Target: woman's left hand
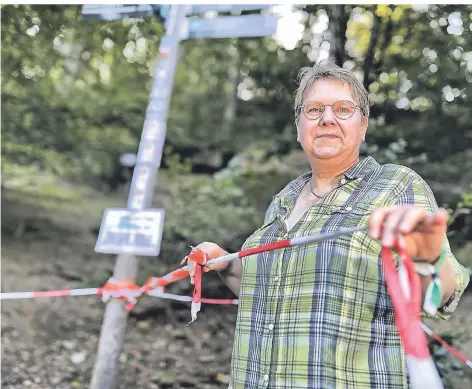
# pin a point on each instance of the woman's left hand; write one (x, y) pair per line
(423, 231)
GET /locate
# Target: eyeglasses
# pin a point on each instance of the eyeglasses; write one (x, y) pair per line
(341, 109)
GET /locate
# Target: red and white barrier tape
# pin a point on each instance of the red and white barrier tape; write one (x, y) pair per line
(125, 294)
(404, 287)
(157, 292)
(49, 293)
(449, 348)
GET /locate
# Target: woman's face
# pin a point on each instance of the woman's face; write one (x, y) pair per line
(328, 136)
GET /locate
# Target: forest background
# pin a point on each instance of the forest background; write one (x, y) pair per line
(74, 95)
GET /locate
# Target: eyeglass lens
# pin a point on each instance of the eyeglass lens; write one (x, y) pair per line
(342, 109)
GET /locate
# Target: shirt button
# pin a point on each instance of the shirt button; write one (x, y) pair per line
(276, 278)
(266, 377)
(348, 208)
(343, 181)
(271, 327)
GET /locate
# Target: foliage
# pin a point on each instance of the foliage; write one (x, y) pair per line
(72, 99)
(74, 95)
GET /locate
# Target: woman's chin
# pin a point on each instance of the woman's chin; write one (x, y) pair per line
(326, 152)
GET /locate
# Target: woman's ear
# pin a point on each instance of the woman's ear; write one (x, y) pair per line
(297, 119)
(365, 124)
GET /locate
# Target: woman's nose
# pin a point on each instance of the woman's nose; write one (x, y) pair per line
(327, 118)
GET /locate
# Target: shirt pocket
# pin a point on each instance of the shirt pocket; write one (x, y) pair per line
(363, 255)
(357, 214)
(354, 209)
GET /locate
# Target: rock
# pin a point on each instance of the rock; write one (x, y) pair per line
(160, 343)
(206, 358)
(55, 380)
(69, 345)
(78, 357)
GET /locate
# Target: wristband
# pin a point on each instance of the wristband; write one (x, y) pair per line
(440, 261)
(434, 294)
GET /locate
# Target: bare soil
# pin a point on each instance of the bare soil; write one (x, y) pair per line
(51, 342)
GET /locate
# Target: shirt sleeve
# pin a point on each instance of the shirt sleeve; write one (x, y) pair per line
(419, 193)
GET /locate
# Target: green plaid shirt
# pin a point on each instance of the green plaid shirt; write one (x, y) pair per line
(319, 316)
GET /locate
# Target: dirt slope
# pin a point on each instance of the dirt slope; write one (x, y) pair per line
(50, 343)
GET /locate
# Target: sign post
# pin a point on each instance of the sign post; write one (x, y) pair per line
(136, 229)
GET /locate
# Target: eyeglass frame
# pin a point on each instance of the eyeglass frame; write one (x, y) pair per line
(299, 108)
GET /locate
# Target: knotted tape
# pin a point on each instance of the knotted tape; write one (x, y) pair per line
(200, 258)
(130, 292)
(404, 287)
(127, 291)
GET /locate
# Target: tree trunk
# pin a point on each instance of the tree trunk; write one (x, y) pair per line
(234, 75)
(338, 19)
(369, 58)
(387, 38)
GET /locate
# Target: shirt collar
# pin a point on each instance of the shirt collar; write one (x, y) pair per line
(359, 170)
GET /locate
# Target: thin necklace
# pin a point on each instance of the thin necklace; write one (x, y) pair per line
(313, 192)
(320, 197)
(336, 187)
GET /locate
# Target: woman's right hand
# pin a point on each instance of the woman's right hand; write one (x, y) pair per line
(212, 250)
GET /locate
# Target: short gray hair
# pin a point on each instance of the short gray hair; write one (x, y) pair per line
(327, 69)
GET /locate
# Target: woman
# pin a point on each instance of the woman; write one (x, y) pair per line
(320, 316)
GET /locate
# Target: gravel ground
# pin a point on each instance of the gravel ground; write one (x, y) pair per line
(50, 343)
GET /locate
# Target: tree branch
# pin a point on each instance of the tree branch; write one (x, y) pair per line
(386, 42)
(338, 26)
(369, 58)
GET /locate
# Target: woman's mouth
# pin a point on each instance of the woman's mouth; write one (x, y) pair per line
(327, 136)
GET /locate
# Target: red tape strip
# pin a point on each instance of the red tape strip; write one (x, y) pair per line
(407, 309)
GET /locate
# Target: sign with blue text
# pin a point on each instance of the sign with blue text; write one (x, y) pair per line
(116, 11)
(245, 26)
(202, 8)
(131, 232)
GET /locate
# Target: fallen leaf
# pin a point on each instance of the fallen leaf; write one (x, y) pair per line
(224, 378)
(144, 324)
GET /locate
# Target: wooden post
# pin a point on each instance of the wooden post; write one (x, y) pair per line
(113, 329)
(110, 344)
